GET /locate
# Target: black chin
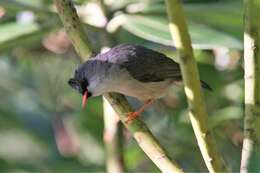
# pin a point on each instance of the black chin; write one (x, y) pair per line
(84, 85)
(89, 94)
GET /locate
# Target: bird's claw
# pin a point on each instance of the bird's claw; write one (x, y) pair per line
(131, 116)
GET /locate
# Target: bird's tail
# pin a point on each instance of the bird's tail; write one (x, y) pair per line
(206, 86)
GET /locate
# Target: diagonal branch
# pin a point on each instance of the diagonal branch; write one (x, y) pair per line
(70, 20)
(197, 108)
(139, 130)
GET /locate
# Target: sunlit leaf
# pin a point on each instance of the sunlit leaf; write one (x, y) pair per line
(223, 16)
(213, 14)
(22, 34)
(155, 28)
(13, 30)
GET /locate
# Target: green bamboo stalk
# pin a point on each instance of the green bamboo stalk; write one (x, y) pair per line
(139, 130)
(197, 108)
(252, 83)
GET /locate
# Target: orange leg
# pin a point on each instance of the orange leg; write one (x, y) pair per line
(133, 115)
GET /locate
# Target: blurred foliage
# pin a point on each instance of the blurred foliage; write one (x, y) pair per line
(42, 126)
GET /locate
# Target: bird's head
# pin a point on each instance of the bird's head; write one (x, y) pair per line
(80, 83)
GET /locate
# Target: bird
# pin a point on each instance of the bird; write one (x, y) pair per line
(129, 69)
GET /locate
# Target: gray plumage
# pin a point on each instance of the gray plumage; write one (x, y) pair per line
(155, 66)
(129, 69)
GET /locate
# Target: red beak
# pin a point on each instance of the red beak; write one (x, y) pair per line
(84, 99)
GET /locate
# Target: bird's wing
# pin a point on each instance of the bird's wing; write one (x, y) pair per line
(147, 65)
(117, 54)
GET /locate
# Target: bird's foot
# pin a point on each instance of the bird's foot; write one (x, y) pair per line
(131, 116)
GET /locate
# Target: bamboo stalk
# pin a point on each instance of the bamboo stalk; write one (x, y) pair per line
(197, 108)
(139, 130)
(252, 83)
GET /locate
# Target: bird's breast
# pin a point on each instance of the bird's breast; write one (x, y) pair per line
(129, 86)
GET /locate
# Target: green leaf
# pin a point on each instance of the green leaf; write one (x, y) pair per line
(13, 30)
(225, 114)
(223, 16)
(155, 28)
(17, 5)
(22, 34)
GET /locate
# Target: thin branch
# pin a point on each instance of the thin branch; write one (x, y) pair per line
(139, 130)
(252, 83)
(197, 109)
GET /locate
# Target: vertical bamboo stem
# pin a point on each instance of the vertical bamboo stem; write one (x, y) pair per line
(252, 83)
(197, 108)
